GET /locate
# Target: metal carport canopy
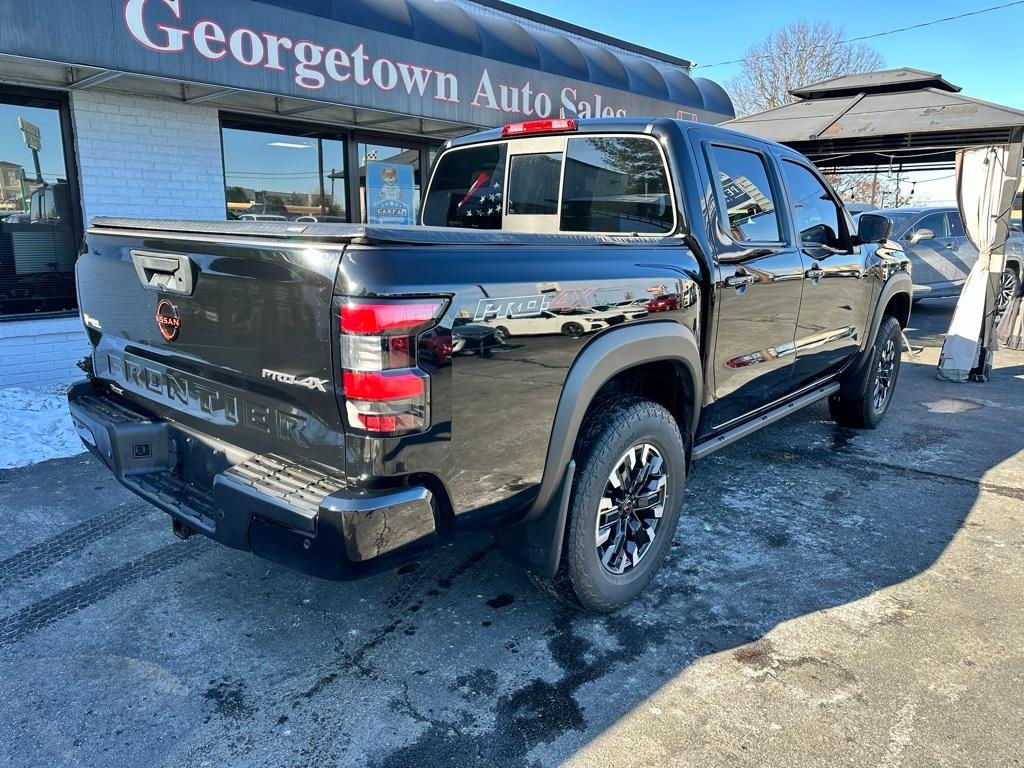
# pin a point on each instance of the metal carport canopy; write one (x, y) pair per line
(899, 117)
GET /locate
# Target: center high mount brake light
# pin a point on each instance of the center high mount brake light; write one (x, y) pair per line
(559, 125)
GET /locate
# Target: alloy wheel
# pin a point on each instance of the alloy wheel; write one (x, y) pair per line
(631, 508)
(884, 374)
(1007, 288)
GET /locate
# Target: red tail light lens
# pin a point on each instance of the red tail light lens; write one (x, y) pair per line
(387, 317)
(559, 125)
(393, 385)
(385, 391)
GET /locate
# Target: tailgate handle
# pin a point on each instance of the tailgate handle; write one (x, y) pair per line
(169, 272)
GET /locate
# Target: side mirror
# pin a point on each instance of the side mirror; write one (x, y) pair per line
(818, 236)
(872, 228)
(921, 235)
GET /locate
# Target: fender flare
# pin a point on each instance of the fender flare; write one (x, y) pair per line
(898, 283)
(536, 542)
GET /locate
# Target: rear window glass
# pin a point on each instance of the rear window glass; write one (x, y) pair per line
(615, 184)
(533, 184)
(466, 190)
(602, 184)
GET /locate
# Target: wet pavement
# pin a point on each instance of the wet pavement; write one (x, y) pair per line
(831, 598)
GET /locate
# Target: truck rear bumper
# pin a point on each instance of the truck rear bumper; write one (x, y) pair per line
(301, 515)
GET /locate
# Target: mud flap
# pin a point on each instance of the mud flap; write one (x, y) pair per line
(537, 545)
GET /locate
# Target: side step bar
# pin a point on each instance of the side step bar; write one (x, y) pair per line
(743, 430)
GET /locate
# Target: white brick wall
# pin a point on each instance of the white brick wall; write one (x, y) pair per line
(147, 157)
(136, 157)
(37, 353)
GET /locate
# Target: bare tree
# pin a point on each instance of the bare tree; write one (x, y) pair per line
(797, 55)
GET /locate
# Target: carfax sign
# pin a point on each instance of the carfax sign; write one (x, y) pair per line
(261, 47)
(389, 193)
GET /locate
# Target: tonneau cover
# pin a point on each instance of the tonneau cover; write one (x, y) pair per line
(369, 234)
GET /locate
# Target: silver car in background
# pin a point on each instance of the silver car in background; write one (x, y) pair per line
(942, 255)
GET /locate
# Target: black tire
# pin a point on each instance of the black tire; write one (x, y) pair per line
(873, 392)
(573, 330)
(612, 429)
(501, 334)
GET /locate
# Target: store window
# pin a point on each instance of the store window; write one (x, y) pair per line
(389, 183)
(39, 220)
(277, 175)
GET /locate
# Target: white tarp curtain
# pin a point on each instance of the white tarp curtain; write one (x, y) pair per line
(986, 182)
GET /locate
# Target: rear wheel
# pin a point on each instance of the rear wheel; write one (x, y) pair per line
(867, 407)
(573, 330)
(1009, 284)
(625, 503)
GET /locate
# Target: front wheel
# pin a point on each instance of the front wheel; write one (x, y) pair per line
(867, 407)
(625, 503)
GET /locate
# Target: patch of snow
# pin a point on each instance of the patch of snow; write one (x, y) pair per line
(953, 405)
(36, 426)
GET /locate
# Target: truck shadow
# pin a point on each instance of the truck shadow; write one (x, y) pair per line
(801, 518)
(458, 660)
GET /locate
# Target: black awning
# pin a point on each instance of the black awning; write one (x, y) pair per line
(447, 25)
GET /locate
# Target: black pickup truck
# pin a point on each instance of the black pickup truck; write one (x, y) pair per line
(590, 306)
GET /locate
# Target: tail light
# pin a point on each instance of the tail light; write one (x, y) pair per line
(385, 390)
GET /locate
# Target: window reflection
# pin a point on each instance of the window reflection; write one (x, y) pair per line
(38, 224)
(283, 177)
(748, 195)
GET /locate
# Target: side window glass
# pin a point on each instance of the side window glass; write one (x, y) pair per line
(815, 212)
(750, 206)
(956, 225)
(936, 223)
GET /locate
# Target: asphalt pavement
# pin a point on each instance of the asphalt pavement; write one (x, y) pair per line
(832, 598)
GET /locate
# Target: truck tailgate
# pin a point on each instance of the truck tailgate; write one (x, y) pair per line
(232, 337)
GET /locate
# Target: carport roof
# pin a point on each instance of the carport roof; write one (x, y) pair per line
(898, 116)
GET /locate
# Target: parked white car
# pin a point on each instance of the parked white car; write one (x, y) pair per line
(574, 323)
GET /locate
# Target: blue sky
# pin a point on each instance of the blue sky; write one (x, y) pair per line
(981, 54)
(14, 150)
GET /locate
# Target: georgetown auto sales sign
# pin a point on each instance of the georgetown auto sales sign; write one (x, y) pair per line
(254, 46)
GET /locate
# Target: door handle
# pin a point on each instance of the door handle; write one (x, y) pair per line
(167, 272)
(950, 246)
(739, 280)
(814, 273)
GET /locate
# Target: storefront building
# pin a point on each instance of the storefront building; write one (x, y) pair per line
(295, 109)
